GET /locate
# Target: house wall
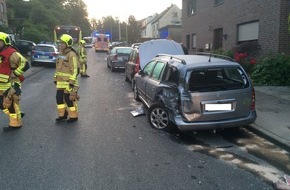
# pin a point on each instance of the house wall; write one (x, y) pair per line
(3, 14)
(169, 17)
(231, 13)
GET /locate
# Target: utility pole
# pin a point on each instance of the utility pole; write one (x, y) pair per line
(126, 33)
(119, 31)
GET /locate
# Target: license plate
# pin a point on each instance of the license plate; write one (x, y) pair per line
(43, 57)
(218, 107)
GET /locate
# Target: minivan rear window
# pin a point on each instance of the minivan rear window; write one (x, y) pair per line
(217, 79)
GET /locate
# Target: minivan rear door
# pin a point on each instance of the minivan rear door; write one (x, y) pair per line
(218, 94)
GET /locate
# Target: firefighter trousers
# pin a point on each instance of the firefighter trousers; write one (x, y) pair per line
(64, 104)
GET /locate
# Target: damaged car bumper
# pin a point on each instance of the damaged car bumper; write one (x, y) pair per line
(211, 125)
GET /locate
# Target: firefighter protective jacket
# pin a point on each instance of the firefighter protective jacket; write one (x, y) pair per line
(11, 61)
(66, 70)
(82, 54)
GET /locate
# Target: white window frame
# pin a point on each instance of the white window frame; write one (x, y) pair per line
(193, 41)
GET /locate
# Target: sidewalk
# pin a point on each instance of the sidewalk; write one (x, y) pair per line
(273, 114)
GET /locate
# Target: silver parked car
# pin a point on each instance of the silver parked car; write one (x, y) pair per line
(195, 92)
(118, 57)
(44, 54)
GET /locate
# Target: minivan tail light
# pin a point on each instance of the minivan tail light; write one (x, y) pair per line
(253, 102)
(32, 52)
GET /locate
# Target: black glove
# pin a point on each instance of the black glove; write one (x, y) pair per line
(71, 85)
(17, 89)
(54, 82)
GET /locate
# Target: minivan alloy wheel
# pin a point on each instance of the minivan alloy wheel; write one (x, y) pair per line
(135, 91)
(159, 117)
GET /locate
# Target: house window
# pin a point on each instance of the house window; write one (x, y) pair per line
(174, 14)
(174, 18)
(193, 38)
(187, 41)
(191, 7)
(248, 31)
(217, 2)
(1, 8)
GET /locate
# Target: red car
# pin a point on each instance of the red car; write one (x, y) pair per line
(132, 66)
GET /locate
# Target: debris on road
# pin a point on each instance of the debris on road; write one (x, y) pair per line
(283, 185)
(138, 111)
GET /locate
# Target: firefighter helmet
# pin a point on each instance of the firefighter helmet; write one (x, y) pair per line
(5, 38)
(82, 42)
(67, 39)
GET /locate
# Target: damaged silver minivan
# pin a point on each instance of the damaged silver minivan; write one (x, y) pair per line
(195, 92)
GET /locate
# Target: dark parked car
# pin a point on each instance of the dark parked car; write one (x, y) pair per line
(44, 54)
(118, 57)
(195, 92)
(25, 47)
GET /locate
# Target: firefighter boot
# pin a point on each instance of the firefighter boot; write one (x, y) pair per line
(62, 115)
(15, 123)
(73, 115)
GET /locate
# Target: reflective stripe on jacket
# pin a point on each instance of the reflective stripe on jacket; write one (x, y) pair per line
(66, 69)
(82, 54)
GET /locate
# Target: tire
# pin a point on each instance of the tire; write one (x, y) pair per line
(135, 92)
(158, 117)
(132, 84)
(112, 67)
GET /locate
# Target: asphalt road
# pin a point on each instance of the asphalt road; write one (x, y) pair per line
(107, 148)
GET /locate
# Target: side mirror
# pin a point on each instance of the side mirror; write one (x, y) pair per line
(140, 72)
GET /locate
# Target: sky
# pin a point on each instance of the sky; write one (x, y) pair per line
(124, 8)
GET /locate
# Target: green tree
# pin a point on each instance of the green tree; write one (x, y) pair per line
(40, 17)
(134, 30)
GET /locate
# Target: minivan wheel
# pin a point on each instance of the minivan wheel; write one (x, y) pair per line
(112, 67)
(132, 84)
(135, 92)
(159, 118)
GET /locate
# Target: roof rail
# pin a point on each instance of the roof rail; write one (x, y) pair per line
(172, 57)
(216, 55)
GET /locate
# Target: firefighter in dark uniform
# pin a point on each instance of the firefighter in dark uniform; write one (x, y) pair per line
(65, 79)
(12, 67)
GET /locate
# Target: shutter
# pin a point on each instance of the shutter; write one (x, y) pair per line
(249, 31)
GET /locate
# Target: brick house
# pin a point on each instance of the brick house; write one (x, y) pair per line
(228, 24)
